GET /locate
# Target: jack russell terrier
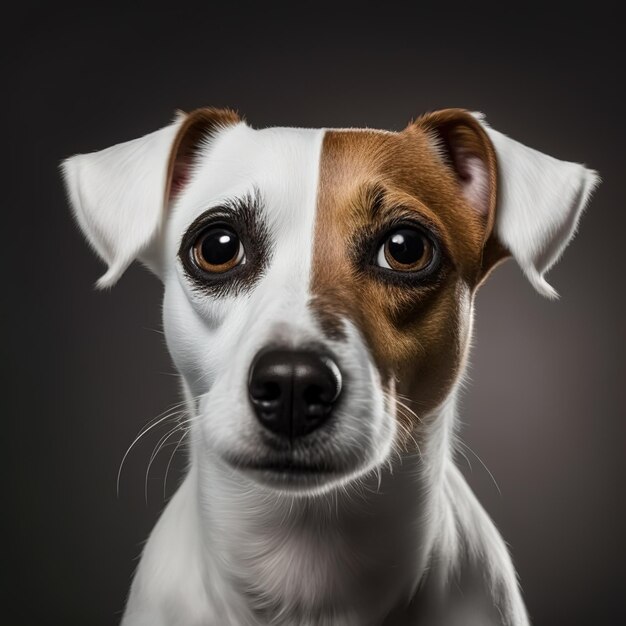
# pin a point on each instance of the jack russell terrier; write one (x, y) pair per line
(318, 304)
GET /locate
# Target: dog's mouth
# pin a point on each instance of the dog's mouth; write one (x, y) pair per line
(285, 471)
(290, 467)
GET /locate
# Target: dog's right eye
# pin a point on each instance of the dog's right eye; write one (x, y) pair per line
(217, 249)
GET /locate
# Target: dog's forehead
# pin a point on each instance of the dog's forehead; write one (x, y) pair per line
(280, 163)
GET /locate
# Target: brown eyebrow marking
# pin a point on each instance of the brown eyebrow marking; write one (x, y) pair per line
(376, 205)
(374, 198)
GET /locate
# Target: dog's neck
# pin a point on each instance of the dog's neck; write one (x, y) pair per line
(350, 556)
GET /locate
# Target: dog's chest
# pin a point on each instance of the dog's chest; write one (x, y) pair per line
(319, 568)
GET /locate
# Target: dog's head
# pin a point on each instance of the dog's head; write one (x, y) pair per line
(319, 283)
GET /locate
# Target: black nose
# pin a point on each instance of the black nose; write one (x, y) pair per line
(293, 391)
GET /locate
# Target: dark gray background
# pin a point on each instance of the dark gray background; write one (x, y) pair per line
(83, 370)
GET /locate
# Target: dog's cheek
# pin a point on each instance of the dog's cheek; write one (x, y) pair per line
(190, 337)
(418, 344)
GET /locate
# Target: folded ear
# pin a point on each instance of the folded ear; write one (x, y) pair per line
(119, 196)
(540, 201)
(530, 203)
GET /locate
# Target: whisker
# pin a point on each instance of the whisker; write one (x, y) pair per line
(481, 462)
(154, 330)
(182, 424)
(167, 468)
(410, 411)
(466, 459)
(155, 453)
(145, 430)
(403, 409)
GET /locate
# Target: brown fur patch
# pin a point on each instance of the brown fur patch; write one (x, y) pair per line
(196, 126)
(368, 179)
(329, 319)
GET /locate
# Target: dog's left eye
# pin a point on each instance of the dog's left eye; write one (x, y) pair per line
(406, 249)
(217, 249)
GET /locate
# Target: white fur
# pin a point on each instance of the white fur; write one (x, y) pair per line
(118, 195)
(229, 549)
(540, 201)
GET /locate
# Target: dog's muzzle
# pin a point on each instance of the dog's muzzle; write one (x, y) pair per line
(293, 391)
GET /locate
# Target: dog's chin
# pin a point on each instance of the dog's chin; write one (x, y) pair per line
(287, 475)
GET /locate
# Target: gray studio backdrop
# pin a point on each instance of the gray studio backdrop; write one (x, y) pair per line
(83, 371)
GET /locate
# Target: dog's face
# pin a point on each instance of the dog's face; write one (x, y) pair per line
(319, 283)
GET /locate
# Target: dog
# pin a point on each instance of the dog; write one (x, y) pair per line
(318, 304)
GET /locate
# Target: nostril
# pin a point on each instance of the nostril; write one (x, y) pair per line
(312, 394)
(266, 392)
(315, 402)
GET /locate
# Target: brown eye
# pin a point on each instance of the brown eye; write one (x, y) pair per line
(406, 249)
(217, 250)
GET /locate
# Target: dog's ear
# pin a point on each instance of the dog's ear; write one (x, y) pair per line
(530, 202)
(120, 196)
